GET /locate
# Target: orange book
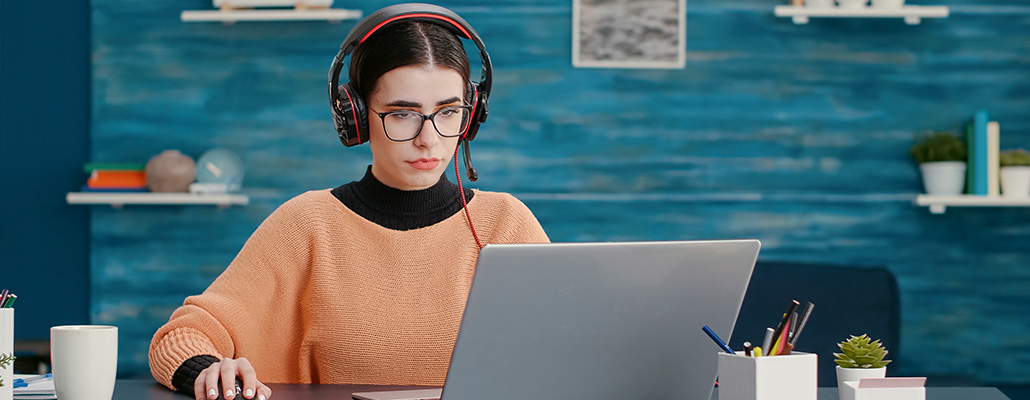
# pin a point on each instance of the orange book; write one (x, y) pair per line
(116, 179)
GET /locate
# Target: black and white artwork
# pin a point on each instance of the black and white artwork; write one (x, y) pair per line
(629, 33)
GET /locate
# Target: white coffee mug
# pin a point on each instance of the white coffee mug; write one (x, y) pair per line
(84, 360)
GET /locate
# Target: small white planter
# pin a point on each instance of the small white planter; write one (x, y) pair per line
(1015, 181)
(888, 3)
(852, 4)
(944, 178)
(855, 374)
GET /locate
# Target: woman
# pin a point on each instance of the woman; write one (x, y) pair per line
(365, 283)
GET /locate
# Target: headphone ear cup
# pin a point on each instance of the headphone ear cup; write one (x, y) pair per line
(477, 98)
(350, 116)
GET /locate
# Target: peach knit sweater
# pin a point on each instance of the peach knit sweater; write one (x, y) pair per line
(319, 294)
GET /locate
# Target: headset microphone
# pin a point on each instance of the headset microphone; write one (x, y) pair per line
(469, 169)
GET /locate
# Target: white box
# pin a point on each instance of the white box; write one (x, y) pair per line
(789, 377)
(884, 389)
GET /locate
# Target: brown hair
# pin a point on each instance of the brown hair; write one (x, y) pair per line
(403, 44)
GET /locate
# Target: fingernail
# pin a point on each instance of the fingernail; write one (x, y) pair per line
(212, 393)
(228, 393)
(261, 397)
(249, 394)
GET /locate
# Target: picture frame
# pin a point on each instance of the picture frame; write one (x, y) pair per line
(629, 33)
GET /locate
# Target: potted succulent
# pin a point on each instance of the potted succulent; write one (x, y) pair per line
(942, 160)
(860, 357)
(1015, 173)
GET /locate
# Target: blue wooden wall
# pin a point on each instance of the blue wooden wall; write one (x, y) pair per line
(797, 135)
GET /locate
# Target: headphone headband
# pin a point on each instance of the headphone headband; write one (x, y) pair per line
(350, 126)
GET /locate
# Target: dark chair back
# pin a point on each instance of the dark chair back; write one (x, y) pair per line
(848, 301)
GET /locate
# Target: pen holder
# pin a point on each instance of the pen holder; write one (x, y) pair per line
(7, 349)
(789, 377)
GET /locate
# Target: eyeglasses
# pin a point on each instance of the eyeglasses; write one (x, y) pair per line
(404, 125)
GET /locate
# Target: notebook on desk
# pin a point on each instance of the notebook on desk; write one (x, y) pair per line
(594, 320)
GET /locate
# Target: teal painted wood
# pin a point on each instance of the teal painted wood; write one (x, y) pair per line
(797, 135)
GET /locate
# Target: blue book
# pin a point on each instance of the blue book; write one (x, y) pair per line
(978, 154)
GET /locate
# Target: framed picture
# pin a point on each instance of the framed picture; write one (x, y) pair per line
(629, 33)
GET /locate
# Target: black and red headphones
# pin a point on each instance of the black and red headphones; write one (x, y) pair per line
(350, 113)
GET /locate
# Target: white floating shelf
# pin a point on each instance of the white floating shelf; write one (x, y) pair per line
(282, 14)
(913, 15)
(938, 204)
(118, 199)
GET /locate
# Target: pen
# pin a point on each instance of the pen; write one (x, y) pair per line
(717, 340)
(23, 382)
(747, 349)
(805, 313)
(782, 326)
(10, 301)
(767, 342)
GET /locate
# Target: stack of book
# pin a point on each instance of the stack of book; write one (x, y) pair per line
(982, 169)
(115, 177)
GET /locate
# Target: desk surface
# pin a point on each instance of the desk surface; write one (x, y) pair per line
(140, 389)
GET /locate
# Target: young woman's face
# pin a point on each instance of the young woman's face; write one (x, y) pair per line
(417, 163)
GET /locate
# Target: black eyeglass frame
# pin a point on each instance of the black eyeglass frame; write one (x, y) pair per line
(464, 128)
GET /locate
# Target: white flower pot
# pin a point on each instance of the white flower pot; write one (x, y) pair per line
(855, 374)
(946, 178)
(888, 3)
(852, 4)
(1015, 181)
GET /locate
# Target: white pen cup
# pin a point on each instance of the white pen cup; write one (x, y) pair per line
(7, 349)
(84, 361)
(789, 377)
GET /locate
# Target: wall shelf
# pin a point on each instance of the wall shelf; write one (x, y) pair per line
(938, 204)
(287, 14)
(118, 199)
(913, 15)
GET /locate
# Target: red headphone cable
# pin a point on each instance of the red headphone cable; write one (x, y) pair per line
(464, 203)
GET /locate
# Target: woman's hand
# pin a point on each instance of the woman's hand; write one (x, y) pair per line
(206, 386)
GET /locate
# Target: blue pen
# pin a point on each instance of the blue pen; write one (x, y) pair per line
(25, 382)
(717, 340)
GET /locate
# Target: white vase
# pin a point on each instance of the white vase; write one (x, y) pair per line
(945, 178)
(1015, 181)
(888, 3)
(852, 4)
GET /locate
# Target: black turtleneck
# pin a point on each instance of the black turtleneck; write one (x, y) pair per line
(401, 210)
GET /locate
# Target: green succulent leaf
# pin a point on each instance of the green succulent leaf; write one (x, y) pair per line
(861, 352)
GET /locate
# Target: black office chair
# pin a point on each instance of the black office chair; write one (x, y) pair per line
(848, 301)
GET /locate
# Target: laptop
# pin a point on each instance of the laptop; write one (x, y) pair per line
(594, 320)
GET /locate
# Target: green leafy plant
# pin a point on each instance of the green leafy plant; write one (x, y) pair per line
(939, 146)
(859, 352)
(5, 360)
(1014, 158)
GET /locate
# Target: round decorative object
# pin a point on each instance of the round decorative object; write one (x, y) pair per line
(852, 4)
(220, 166)
(170, 171)
(888, 3)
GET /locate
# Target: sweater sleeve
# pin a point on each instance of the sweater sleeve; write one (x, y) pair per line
(234, 317)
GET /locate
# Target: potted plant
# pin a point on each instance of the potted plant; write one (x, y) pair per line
(942, 159)
(1015, 173)
(860, 357)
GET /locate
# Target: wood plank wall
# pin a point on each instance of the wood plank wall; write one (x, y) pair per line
(797, 135)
